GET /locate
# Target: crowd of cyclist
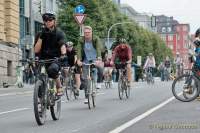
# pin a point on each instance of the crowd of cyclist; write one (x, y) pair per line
(51, 43)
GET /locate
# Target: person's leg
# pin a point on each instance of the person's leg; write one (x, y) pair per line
(129, 74)
(78, 83)
(85, 78)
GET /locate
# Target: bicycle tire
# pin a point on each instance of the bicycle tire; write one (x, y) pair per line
(194, 87)
(128, 91)
(40, 116)
(93, 94)
(56, 108)
(89, 95)
(120, 89)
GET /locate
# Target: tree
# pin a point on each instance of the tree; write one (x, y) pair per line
(101, 14)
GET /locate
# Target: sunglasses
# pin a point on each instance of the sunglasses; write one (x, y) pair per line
(49, 19)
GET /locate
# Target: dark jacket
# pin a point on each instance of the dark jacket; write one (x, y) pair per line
(80, 47)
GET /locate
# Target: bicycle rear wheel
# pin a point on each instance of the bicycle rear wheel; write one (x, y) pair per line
(128, 91)
(39, 102)
(185, 88)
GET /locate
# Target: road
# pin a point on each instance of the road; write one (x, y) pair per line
(151, 108)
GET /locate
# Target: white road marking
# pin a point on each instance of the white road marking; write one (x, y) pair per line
(140, 117)
(16, 93)
(15, 110)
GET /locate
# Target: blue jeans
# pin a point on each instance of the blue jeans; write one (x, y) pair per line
(85, 75)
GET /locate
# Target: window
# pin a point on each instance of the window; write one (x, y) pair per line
(169, 29)
(170, 45)
(185, 38)
(163, 37)
(51, 5)
(177, 28)
(21, 7)
(163, 29)
(170, 37)
(9, 68)
(178, 37)
(38, 27)
(185, 28)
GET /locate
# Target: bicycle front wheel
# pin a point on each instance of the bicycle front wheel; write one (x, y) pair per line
(185, 88)
(120, 89)
(39, 102)
(91, 99)
(56, 108)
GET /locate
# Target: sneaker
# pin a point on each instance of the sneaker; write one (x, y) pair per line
(86, 101)
(76, 92)
(59, 92)
(98, 86)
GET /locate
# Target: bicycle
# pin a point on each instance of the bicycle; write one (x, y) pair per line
(70, 83)
(91, 86)
(123, 81)
(44, 96)
(107, 80)
(149, 76)
(186, 87)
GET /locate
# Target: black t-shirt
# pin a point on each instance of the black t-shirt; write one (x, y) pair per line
(52, 43)
(167, 64)
(70, 56)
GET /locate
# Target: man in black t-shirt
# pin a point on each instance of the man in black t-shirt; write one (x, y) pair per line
(51, 44)
(71, 61)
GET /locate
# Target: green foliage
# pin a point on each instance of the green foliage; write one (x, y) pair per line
(101, 14)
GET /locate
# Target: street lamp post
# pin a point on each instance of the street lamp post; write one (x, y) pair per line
(108, 41)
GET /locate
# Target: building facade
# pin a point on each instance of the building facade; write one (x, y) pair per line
(9, 40)
(117, 2)
(183, 42)
(38, 7)
(143, 19)
(166, 28)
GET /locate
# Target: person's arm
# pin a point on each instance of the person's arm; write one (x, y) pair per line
(129, 54)
(146, 62)
(154, 62)
(38, 46)
(114, 55)
(98, 47)
(61, 42)
(79, 49)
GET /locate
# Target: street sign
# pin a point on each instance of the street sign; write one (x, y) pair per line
(80, 18)
(80, 9)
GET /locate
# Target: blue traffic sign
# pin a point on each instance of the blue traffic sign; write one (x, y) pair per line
(80, 9)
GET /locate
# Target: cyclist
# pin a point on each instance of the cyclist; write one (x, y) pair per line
(178, 62)
(150, 63)
(124, 53)
(108, 68)
(51, 44)
(72, 62)
(167, 64)
(88, 50)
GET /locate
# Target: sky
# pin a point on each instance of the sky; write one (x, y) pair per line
(185, 11)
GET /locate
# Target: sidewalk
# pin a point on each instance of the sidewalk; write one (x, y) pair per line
(12, 89)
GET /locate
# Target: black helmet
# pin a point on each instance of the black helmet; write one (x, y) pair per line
(69, 44)
(197, 33)
(197, 42)
(122, 40)
(48, 16)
